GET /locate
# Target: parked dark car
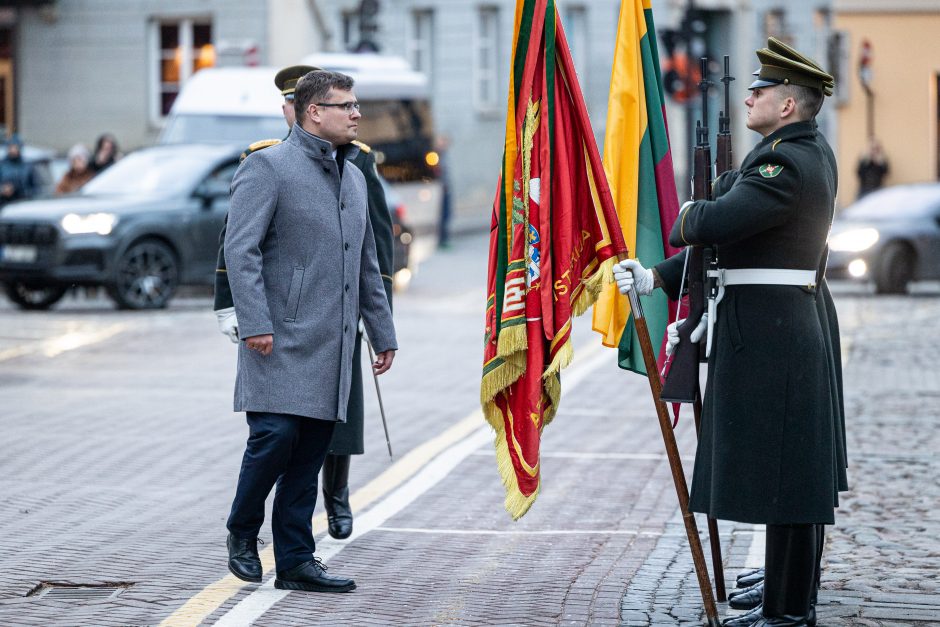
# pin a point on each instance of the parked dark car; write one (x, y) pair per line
(143, 227)
(890, 237)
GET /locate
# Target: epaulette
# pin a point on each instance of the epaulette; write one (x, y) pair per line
(774, 146)
(362, 146)
(255, 147)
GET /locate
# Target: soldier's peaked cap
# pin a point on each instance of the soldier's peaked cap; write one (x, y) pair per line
(286, 79)
(782, 65)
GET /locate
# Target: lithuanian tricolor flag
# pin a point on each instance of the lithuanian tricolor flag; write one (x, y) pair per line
(553, 240)
(638, 163)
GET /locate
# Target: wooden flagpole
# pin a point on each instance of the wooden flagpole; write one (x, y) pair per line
(675, 462)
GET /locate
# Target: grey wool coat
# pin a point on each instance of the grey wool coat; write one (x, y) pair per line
(302, 266)
(771, 448)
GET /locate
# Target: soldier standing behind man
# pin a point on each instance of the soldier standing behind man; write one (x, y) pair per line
(302, 268)
(348, 436)
(771, 448)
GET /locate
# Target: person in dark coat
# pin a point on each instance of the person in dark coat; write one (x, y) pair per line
(302, 268)
(872, 169)
(106, 153)
(18, 179)
(347, 437)
(771, 449)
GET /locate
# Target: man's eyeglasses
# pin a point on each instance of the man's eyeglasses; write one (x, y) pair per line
(348, 107)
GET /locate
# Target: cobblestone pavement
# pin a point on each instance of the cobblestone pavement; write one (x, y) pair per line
(121, 452)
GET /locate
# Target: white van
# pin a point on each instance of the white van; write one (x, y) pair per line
(242, 105)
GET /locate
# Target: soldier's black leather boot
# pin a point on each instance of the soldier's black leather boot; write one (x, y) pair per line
(820, 544)
(336, 496)
(749, 577)
(745, 620)
(789, 578)
(747, 598)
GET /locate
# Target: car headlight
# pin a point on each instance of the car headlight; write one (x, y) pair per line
(854, 241)
(100, 223)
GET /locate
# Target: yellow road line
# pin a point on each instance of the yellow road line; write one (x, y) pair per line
(209, 599)
(63, 343)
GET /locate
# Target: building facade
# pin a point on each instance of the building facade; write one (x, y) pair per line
(901, 105)
(70, 70)
(78, 68)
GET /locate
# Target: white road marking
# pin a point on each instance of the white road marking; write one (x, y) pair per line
(59, 344)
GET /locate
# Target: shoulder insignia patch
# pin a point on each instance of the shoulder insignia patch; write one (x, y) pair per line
(770, 170)
(255, 147)
(264, 143)
(362, 146)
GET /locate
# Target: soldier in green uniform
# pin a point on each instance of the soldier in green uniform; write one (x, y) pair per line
(347, 437)
(771, 448)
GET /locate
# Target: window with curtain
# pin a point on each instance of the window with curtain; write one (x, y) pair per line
(183, 48)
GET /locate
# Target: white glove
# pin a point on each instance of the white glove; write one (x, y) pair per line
(631, 275)
(672, 333)
(672, 336)
(699, 329)
(228, 323)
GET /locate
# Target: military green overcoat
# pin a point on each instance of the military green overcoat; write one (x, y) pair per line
(771, 448)
(347, 436)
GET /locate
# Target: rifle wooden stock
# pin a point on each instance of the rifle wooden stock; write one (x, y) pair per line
(681, 385)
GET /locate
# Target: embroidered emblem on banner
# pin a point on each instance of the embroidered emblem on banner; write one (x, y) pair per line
(768, 170)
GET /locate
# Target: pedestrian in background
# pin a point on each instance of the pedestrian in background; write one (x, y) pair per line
(348, 437)
(442, 145)
(78, 173)
(106, 153)
(771, 447)
(872, 168)
(302, 267)
(17, 176)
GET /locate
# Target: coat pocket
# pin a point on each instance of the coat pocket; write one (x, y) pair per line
(734, 328)
(293, 296)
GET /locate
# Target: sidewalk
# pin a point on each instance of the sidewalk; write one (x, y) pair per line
(120, 461)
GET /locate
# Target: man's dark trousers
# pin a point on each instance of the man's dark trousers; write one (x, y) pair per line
(287, 450)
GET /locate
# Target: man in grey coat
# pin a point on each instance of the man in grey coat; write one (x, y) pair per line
(302, 267)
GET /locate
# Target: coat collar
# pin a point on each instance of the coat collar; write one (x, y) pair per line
(318, 148)
(796, 130)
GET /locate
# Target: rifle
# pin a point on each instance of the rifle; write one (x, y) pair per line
(682, 384)
(723, 163)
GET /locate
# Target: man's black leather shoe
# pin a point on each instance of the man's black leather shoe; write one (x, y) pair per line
(311, 576)
(243, 560)
(782, 621)
(336, 496)
(745, 620)
(748, 598)
(750, 580)
(751, 574)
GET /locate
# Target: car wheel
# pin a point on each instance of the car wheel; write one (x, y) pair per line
(146, 276)
(33, 297)
(896, 269)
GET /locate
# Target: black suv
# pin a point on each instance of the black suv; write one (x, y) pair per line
(146, 225)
